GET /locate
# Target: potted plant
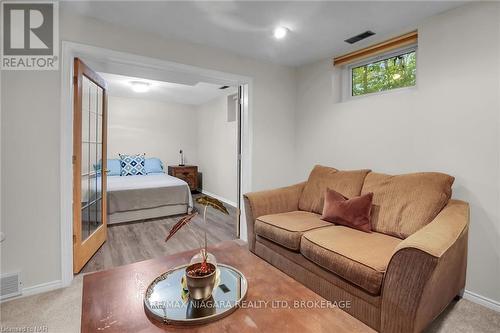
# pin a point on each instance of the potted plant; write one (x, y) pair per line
(201, 275)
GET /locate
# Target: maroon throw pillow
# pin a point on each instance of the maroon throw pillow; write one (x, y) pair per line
(354, 213)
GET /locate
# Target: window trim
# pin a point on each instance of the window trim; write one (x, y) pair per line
(393, 53)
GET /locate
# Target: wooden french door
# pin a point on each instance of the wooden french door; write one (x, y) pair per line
(89, 164)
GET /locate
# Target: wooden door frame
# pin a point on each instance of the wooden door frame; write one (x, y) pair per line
(98, 237)
(70, 50)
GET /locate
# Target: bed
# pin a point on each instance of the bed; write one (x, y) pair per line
(132, 198)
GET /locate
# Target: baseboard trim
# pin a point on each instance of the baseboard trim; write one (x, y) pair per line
(37, 289)
(481, 300)
(218, 197)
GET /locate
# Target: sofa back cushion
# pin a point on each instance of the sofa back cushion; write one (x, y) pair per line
(403, 204)
(347, 183)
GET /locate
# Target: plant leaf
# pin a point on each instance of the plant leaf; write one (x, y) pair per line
(182, 222)
(214, 203)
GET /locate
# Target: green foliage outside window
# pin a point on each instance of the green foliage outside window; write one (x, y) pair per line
(391, 73)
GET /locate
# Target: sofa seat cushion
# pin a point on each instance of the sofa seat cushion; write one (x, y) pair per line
(348, 183)
(286, 229)
(359, 257)
(403, 204)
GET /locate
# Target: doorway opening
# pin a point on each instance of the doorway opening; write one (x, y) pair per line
(209, 123)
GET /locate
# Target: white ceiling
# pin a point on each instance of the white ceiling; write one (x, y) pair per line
(199, 93)
(318, 28)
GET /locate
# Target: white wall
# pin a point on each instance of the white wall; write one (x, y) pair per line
(160, 129)
(31, 137)
(217, 149)
(30, 176)
(156, 128)
(449, 123)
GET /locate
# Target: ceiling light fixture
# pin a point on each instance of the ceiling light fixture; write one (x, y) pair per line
(140, 86)
(280, 32)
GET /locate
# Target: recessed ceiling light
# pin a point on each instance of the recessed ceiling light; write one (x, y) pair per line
(140, 86)
(280, 32)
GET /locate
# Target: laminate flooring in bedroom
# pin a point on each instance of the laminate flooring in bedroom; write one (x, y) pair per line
(137, 241)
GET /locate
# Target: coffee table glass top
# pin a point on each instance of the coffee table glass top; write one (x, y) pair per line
(166, 300)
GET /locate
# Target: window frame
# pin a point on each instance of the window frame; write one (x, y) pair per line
(386, 55)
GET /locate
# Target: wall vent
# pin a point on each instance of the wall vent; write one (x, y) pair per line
(359, 37)
(10, 285)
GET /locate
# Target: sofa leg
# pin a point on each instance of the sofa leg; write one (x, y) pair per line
(459, 296)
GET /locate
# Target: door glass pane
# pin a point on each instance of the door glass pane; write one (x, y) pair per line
(85, 158)
(99, 171)
(85, 110)
(98, 166)
(85, 93)
(85, 126)
(93, 220)
(93, 97)
(99, 100)
(93, 163)
(92, 187)
(85, 223)
(99, 128)
(93, 157)
(99, 213)
(93, 127)
(85, 190)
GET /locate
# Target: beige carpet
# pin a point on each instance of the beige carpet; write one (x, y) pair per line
(60, 312)
(466, 317)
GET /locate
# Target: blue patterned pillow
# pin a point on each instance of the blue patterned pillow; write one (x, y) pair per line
(132, 165)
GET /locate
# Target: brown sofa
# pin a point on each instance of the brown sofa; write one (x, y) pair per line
(397, 278)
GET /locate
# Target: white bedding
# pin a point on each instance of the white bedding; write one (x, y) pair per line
(127, 193)
(120, 183)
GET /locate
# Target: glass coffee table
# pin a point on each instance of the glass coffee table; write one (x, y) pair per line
(167, 301)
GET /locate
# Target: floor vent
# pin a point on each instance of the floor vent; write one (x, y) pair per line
(10, 285)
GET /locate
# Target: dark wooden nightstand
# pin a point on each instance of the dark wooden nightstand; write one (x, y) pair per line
(188, 173)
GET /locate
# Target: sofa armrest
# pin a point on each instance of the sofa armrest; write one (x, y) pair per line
(426, 271)
(281, 200)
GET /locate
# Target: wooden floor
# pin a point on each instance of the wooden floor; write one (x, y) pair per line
(137, 241)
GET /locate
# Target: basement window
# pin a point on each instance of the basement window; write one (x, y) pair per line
(385, 72)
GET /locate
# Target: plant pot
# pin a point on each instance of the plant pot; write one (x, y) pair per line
(198, 257)
(200, 308)
(200, 287)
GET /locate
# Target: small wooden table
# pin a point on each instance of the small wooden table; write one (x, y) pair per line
(113, 299)
(188, 173)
